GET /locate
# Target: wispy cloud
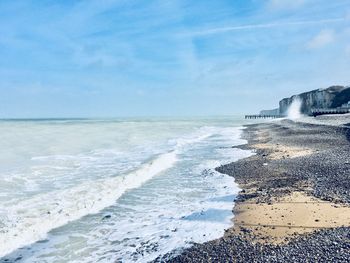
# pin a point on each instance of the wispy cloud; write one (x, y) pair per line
(285, 4)
(218, 30)
(322, 39)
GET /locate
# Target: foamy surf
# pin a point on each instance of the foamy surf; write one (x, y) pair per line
(87, 202)
(294, 110)
(30, 221)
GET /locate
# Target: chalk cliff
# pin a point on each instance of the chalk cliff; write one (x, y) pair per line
(331, 97)
(270, 112)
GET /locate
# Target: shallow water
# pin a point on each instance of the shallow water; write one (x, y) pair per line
(109, 190)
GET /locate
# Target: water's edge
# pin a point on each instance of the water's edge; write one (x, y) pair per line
(180, 250)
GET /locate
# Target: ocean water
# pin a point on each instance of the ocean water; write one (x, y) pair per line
(125, 190)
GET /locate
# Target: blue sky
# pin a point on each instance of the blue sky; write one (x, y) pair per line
(110, 58)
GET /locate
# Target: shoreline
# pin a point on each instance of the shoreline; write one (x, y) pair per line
(294, 202)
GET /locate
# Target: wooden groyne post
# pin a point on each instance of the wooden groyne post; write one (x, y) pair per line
(317, 112)
(258, 116)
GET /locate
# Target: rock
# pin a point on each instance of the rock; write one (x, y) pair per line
(106, 217)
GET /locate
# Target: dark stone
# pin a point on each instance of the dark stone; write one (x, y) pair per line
(106, 217)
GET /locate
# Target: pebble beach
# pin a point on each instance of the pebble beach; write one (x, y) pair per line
(294, 203)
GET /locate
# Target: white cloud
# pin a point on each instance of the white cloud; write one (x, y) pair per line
(322, 39)
(285, 4)
(263, 26)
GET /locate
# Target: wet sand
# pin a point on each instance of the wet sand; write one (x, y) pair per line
(293, 214)
(295, 200)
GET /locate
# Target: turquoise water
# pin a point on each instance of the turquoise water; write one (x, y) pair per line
(114, 190)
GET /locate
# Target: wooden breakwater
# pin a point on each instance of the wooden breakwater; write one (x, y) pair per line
(317, 112)
(259, 116)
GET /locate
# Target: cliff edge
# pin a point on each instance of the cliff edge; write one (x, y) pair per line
(332, 97)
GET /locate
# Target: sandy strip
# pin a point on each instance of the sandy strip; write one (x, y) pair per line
(296, 213)
(282, 151)
(278, 151)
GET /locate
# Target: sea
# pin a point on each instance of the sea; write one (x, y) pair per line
(114, 190)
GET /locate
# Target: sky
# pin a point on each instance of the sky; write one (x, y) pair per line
(116, 58)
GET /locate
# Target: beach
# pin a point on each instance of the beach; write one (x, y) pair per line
(197, 190)
(294, 203)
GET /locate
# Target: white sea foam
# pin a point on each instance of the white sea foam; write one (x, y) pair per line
(294, 110)
(188, 203)
(30, 220)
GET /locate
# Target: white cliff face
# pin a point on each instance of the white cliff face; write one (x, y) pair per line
(270, 112)
(321, 98)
